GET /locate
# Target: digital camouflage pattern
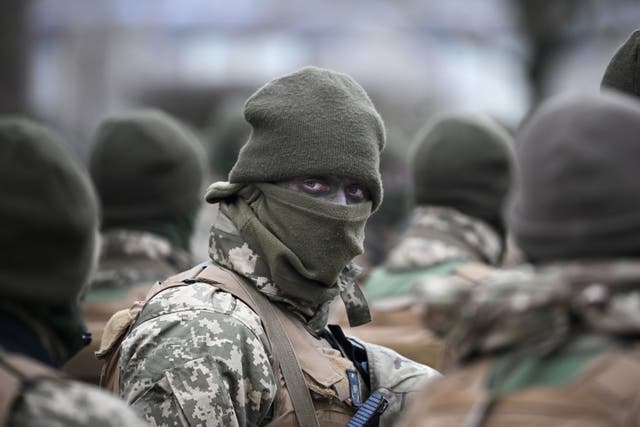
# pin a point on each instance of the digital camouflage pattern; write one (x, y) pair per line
(199, 356)
(130, 257)
(130, 263)
(436, 241)
(534, 308)
(61, 403)
(541, 346)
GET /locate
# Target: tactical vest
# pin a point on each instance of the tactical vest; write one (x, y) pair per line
(604, 393)
(15, 373)
(323, 367)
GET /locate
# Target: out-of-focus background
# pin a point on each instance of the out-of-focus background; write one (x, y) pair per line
(72, 62)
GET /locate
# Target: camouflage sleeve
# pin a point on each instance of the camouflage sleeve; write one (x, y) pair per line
(198, 356)
(397, 377)
(56, 403)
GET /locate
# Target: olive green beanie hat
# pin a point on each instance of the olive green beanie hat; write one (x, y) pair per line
(623, 71)
(577, 192)
(314, 122)
(146, 166)
(463, 162)
(49, 217)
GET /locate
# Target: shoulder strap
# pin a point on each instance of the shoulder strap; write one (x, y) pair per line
(16, 372)
(281, 344)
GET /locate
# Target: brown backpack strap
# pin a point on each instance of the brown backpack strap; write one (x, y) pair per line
(282, 348)
(15, 372)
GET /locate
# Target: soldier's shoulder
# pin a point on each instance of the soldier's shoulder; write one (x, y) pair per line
(55, 402)
(193, 300)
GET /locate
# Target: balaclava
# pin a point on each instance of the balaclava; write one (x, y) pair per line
(314, 122)
(49, 214)
(577, 192)
(148, 171)
(463, 162)
(623, 71)
(309, 123)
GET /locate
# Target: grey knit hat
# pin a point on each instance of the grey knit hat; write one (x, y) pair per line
(578, 190)
(49, 217)
(146, 166)
(623, 71)
(312, 122)
(463, 162)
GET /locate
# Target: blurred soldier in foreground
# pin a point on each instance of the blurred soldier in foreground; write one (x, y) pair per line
(49, 221)
(461, 168)
(146, 170)
(556, 345)
(243, 340)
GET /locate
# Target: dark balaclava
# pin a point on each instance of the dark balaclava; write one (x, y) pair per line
(148, 172)
(309, 123)
(623, 71)
(578, 190)
(463, 162)
(49, 214)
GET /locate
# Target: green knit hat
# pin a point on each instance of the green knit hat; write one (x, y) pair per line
(146, 166)
(464, 162)
(623, 71)
(49, 217)
(312, 122)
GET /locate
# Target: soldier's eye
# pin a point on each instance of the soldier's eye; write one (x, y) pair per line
(357, 193)
(315, 186)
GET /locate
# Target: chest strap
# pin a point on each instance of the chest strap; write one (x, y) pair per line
(282, 348)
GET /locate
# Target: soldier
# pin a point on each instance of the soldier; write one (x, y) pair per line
(461, 169)
(242, 340)
(49, 227)
(556, 344)
(148, 175)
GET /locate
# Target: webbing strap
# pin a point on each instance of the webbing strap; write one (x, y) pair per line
(281, 344)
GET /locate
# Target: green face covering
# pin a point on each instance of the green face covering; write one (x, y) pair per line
(301, 238)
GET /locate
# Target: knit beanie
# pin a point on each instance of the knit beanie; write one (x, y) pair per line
(463, 162)
(49, 217)
(578, 190)
(146, 166)
(314, 122)
(623, 71)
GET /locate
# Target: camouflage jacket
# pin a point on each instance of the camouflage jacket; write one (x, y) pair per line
(56, 402)
(199, 356)
(438, 240)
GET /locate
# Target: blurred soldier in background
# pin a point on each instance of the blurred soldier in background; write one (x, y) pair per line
(243, 340)
(461, 168)
(556, 345)
(148, 172)
(49, 222)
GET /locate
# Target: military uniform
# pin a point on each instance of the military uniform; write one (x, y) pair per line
(130, 263)
(550, 346)
(556, 342)
(181, 379)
